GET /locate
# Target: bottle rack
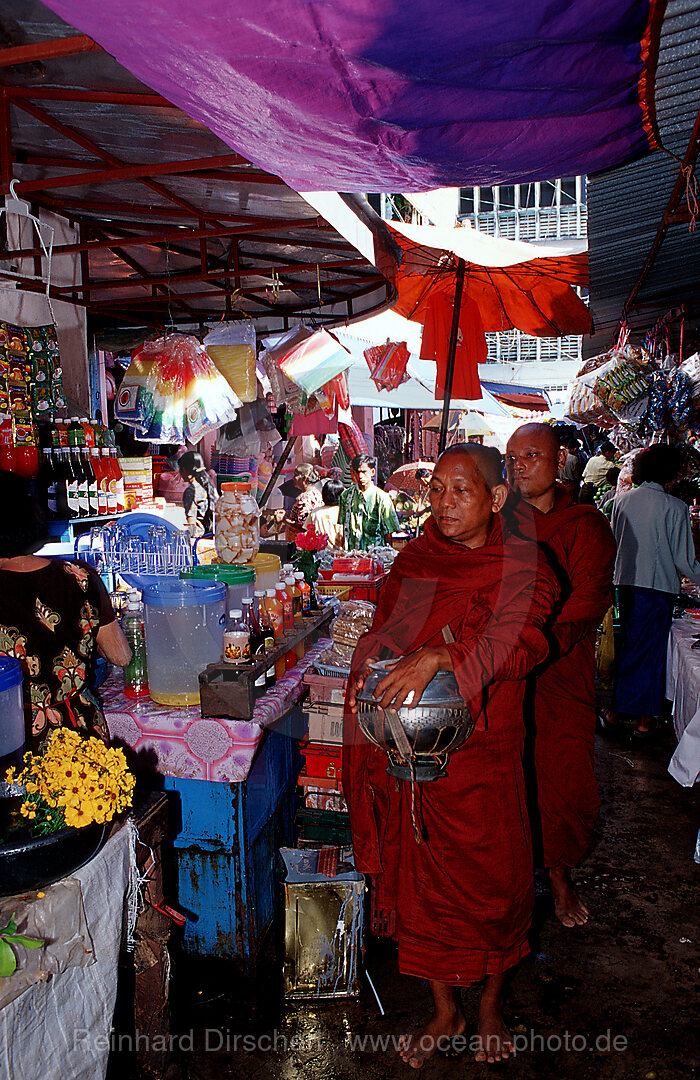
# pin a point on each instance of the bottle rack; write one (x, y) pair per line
(225, 690)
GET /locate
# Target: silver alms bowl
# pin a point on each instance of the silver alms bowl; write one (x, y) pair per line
(418, 738)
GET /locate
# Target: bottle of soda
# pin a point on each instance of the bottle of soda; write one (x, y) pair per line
(109, 482)
(73, 485)
(267, 634)
(63, 476)
(256, 638)
(93, 496)
(82, 483)
(118, 478)
(47, 482)
(135, 673)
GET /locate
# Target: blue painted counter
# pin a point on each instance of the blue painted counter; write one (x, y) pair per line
(226, 847)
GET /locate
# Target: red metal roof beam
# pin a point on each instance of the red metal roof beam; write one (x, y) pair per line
(47, 50)
(153, 239)
(135, 172)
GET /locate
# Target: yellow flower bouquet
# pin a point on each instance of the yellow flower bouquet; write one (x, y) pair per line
(74, 781)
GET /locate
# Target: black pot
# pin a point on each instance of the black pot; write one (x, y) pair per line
(29, 862)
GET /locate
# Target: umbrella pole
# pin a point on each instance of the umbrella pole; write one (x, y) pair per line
(277, 470)
(459, 284)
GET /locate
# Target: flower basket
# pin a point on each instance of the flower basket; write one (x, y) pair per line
(55, 814)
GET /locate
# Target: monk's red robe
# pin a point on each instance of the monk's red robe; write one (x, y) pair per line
(581, 541)
(463, 897)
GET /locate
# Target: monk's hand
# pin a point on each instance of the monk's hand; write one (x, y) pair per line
(411, 675)
(355, 684)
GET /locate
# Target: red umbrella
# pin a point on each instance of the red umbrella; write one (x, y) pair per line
(404, 478)
(512, 283)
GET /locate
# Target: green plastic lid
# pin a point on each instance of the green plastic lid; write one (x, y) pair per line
(230, 575)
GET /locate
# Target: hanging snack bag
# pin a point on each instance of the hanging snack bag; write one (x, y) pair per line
(232, 348)
(316, 361)
(133, 404)
(284, 390)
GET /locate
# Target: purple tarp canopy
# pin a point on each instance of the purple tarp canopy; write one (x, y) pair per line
(396, 95)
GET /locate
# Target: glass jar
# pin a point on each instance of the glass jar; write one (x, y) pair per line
(237, 524)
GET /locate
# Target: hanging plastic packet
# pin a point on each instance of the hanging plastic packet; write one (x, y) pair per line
(134, 401)
(284, 390)
(232, 348)
(316, 361)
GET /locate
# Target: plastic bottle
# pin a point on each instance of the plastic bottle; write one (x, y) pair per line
(72, 486)
(287, 605)
(275, 611)
(135, 673)
(62, 432)
(109, 482)
(82, 478)
(99, 471)
(118, 479)
(305, 592)
(88, 432)
(236, 639)
(267, 633)
(76, 435)
(293, 584)
(93, 497)
(257, 638)
(62, 474)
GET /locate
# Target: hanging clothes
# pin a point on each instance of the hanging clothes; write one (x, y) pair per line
(471, 350)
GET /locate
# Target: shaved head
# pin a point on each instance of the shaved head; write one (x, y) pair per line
(486, 458)
(533, 459)
(544, 432)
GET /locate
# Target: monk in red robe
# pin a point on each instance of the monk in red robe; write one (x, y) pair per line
(462, 890)
(579, 541)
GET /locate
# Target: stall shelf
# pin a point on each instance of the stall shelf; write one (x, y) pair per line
(232, 785)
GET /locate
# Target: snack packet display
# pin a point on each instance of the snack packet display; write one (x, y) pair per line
(387, 364)
(172, 392)
(354, 619)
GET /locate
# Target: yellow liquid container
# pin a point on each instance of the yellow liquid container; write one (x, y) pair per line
(175, 700)
(267, 570)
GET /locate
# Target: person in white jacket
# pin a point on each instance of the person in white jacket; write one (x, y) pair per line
(654, 549)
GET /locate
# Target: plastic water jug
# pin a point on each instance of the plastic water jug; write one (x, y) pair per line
(11, 713)
(184, 632)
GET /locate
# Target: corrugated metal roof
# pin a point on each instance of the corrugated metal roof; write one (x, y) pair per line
(285, 259)
(625, 205)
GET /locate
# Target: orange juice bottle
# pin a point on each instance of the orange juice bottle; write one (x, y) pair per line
(304, 591)
(285, 600)
(293, 587)
(275, 612)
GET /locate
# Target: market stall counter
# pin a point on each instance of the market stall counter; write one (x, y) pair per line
(233, 803)
(56, 1011)
(683, 690)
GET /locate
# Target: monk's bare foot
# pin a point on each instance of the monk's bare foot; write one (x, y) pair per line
(416, 1048)
(568, 907)
(495, 1040)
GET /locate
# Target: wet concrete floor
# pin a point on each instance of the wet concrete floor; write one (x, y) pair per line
(615, 1000)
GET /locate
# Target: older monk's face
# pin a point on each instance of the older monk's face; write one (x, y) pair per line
(461, 502)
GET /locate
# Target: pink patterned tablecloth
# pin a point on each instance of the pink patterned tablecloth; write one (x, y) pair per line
(180, 742)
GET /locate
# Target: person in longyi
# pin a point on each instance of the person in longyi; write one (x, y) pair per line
(463, 895)
(582, 548)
